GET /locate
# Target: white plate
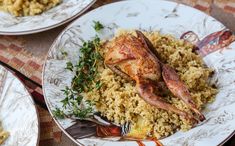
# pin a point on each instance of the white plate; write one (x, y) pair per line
(170, 18)
(18, 113)
(64, 12)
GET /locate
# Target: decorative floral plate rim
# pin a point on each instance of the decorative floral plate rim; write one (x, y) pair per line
(169, 12)
(12, 80)
(25, 30)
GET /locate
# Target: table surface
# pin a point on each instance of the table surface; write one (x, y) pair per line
(25, 55)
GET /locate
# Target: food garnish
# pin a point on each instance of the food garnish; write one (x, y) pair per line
(85, 72)
(98, 26)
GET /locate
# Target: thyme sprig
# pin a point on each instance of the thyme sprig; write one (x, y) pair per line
(85, 71)
(97, 26)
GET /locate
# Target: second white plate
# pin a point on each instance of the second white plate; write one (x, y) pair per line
(64, 12)
(18, 113)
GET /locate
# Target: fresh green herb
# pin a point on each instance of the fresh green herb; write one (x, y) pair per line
(86, 68)
(85, 73)
(96, 41)
(65, 54)
(97, 26)
(82, 113)
(98, 85)
(69, 66)
(58, 113)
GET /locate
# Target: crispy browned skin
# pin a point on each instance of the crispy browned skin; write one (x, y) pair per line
(132, 58)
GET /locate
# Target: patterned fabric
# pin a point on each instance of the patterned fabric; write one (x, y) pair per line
(203, 5)
(227, 5)
(14, 54)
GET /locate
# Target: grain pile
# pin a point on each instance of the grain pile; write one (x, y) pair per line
(119, 101)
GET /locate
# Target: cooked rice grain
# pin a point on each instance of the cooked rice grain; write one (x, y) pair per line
(119, 101)
(27, 7)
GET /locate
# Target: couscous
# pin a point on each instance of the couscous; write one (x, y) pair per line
(27, 7)
(119, 101)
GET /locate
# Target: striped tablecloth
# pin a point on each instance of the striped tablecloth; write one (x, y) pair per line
(25, 56)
